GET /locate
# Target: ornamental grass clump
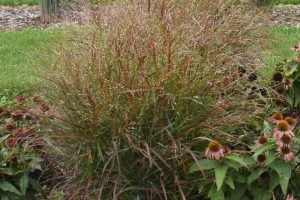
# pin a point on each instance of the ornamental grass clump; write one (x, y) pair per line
(139, 87)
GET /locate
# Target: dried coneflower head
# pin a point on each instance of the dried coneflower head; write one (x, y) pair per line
(16, 115)
(37, 99)
(280, 89)
(18, 132)
(252, 77)
(278, 102)
(9, 127)
(29, 131)
(277, 76)
(44, 107)
(6, 113)
(21, 98)
(11, 142)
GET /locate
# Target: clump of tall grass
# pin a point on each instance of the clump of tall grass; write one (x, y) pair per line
(139, 88)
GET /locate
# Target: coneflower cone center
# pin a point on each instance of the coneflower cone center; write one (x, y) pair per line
(261, 157)
(286, 150)
(214, 146)
(280, 89)
(286, 139)
(289, 120)
(287, 81)
(262, 139)
(278, 116)
(277, 76)
(283, 126)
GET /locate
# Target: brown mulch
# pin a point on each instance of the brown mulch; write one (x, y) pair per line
(20, 17)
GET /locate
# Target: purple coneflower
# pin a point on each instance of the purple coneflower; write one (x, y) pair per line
(276, 117)
(261, 140)
(290, 197)
(261, 159)
(214, 150)
(282, 128)
(287, 83)
(285, 142)
(277, 76)
(291, 121)
(287, 154)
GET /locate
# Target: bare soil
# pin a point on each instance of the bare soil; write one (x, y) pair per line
(20, 17)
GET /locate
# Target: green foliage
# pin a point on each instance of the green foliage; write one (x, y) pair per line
(23, 155)
(267, 171)
(291, 81)
(139, 92)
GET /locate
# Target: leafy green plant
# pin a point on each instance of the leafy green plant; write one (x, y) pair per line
(23, 154)
(267, 170)
(287, 77)
(137, 91)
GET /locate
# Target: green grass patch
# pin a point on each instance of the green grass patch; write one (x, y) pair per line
(289, 1)
(285, 38)
(18, 52)
(18, 2)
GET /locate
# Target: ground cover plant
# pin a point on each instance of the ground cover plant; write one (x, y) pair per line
(24, 124)
(142, 96)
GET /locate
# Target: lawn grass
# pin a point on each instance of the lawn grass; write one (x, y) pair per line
(18, 50)
(18, 2)
(286, 37)
(289, 1)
